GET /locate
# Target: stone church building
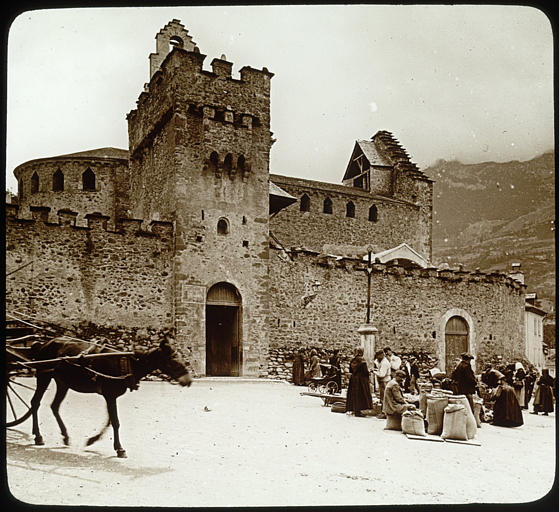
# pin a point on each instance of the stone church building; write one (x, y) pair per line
(188, 232)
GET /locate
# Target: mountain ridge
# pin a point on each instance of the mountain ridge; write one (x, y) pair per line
(489, 215)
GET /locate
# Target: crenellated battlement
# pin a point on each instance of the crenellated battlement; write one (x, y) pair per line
(95, 221)
(399, 270)
(190, 62)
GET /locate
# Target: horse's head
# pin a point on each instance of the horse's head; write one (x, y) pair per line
(171, 363)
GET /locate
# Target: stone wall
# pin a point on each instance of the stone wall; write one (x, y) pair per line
(185, 115)
(92, 274)
(397, 221)
(111, 175)
(321, 302)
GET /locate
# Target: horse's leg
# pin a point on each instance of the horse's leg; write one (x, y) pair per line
(94, 439)
(61, 391)
(113, 417)
(43, 381)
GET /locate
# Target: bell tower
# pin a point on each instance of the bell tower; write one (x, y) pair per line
(199, 145)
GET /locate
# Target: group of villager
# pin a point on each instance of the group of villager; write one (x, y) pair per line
(393, 387)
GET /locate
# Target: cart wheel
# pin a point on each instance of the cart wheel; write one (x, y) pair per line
(322, 389)
(312, 387)
(19, 391)
(331, 388)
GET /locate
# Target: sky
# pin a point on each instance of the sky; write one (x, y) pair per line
(472, 83)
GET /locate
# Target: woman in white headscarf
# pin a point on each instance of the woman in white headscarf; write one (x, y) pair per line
(518, 382)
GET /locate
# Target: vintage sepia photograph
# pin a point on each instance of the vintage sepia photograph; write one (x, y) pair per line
(280, 256)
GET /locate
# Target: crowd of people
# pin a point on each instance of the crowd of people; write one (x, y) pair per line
(505, 390)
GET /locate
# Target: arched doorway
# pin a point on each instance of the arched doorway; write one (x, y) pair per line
(456, 334)
(223, 337)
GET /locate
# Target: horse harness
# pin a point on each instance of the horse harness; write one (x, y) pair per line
(99, 378)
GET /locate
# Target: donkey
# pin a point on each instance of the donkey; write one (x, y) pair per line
(98, 375)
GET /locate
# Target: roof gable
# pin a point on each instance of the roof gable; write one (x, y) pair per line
(400, 252)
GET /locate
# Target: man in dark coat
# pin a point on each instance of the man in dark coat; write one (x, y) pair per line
(465, 379)
(358, 390)
(543, 397)
(529, 382)
(409, 367)
(394, 403)
(299, 368)
(506, 410)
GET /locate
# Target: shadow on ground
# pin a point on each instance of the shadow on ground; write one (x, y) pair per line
(24, 453)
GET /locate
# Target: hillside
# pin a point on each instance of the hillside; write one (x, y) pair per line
(490, 215)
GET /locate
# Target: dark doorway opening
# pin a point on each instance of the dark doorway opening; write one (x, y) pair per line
(456, 341)
(223, 338)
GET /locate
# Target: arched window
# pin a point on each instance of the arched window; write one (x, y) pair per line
(350, 210)
(58, 181)
(213, 162)
(228, 164)
(222, 226)
(305, 203)
(34, 183)
(241, 165)
(373, 213)
(327, 205)
(88, 180)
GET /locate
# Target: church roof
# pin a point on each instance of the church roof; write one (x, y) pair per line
(383, 150)
(370, 152)
(98, 153)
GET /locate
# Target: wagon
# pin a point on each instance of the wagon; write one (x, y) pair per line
(21, 368)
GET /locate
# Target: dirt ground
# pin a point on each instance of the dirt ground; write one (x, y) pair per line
(227, 442)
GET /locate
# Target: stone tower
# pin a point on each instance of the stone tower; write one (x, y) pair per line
(199, 144)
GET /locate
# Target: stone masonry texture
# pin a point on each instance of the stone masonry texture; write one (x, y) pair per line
(187, 208)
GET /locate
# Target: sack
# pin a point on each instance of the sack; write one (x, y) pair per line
(471, 424)
(424, 390)
(454, 423)
(338, 407)
(413, 423)
(442, 392)
(393, 422)
(435, 413)
(478, 402)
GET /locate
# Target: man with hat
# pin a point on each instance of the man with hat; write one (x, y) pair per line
(464, 378)
(394, 403)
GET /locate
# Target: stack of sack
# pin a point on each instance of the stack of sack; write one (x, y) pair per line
(437, 400)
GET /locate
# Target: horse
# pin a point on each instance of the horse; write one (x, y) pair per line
(110, 377)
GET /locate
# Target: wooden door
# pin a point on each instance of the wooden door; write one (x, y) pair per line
(456, 341)
(222, 340)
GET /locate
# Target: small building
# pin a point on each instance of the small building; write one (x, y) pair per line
(534, 331)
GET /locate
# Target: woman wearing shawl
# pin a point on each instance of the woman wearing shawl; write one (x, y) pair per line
(543, 398)
(506, 410)
(358, 390)
(314, 365)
